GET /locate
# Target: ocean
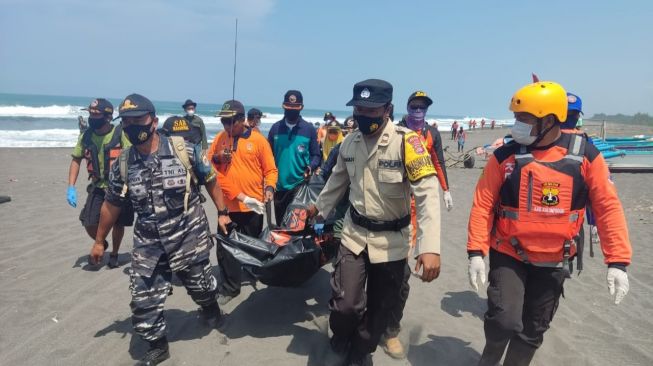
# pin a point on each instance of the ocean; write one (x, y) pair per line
(51, 121)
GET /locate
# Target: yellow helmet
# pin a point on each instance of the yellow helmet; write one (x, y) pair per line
(541, 99)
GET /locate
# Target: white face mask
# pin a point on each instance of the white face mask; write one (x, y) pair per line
(521, 132)
(190, 112)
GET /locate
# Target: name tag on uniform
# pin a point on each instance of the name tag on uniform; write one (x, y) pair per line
(136, 179)
(173, 172)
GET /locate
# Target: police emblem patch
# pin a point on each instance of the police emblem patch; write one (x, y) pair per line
(292, 98)
(365, 93)
(416, 143)
(142, 136)
(550, 192)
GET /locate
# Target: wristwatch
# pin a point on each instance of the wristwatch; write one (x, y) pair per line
(224, 212)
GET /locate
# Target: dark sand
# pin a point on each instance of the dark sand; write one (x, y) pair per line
(57, 310)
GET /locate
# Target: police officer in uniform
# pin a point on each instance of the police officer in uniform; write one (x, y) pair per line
(171, 232)
(381, 164)
(190, 126)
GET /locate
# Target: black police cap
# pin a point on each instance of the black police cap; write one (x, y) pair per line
(371, 93)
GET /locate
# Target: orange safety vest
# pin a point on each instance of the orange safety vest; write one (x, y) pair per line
(541, 208)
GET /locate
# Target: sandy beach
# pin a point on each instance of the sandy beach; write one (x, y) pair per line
(55, 309)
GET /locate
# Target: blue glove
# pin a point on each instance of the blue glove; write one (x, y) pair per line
(318, 228)
(72, 196)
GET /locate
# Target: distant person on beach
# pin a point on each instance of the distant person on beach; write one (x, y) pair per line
(454, 130)
(247, 177)
(333, 137)
(492, 124)
(350, 125)
(574, 111)
(190, 126)
(254, 119)
(483, 123)
(380, 164)
(531, 194)
(461, 136)
(100, 145)
(417, 107)
(161, 176)
(296, 151)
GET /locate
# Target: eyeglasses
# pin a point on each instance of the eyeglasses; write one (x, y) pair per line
(417, 107)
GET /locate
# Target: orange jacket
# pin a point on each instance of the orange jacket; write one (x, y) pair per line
(542, 226)
(250, 171)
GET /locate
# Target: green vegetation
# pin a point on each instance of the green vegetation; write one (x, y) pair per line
(637, 119)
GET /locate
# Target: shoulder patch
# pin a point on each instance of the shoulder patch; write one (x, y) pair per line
(417, 160)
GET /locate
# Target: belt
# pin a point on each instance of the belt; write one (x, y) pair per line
(378, 225)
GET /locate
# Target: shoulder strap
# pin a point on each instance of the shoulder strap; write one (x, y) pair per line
(123, 164)
(86, 138)
(179, 149)
(116, 139)
(576, 147)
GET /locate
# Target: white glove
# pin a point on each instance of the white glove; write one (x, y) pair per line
(448, 201)
(617, 279)
(254, 205)
(476, 269)
(594, 235)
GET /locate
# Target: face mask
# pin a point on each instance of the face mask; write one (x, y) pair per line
(138, 134)
(415, 118)
(521, 132)
(291, 115)
(96, 123)
(190, 112)
(368, 125)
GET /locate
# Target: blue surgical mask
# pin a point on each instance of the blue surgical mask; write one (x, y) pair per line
(521, 133)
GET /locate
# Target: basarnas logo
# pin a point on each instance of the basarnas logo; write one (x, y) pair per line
(550, 192)
(365, 93)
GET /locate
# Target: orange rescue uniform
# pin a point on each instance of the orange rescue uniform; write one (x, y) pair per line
(250, 171)
(538, 203)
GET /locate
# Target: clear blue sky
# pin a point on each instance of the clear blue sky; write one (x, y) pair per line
(470, 56)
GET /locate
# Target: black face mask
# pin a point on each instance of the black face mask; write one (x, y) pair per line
(368, 125)
(138, 134)
(291, 115)
(96, 123)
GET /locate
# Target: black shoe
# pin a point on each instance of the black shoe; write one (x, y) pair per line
(212, 315)
(157, 353)
(357, 360)
(337, 353)
(113, 261)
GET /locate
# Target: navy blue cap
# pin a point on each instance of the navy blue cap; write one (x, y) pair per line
(254, 112)
(135, 105)
(100, 105)
(371, 93)
(231, 108)
(293, 100)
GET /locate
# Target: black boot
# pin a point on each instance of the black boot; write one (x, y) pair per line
(492, 353)
(157, 353)
(519, 353)
(212, 315)
(360, 360)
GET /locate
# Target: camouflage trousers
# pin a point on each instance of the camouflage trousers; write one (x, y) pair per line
(150, 293)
